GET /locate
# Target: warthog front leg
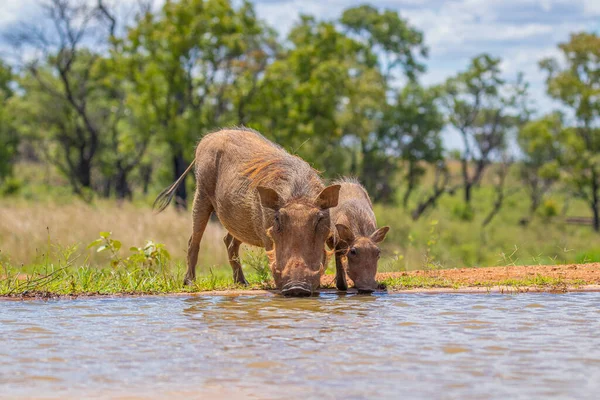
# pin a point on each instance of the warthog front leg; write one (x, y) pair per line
(200, 216)
(233, 251)
(340, 272)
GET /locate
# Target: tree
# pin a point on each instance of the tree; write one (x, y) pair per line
(8, 136)
(304, 95)
(500, 170)
(539, 169)
(64, 76)
(484, 108)
(61, 74)
(440, 186)
(576, 83)
(73, 88)
(394, 48)
(411, 132)
(394, 43)
(126, 135)
(184, 62)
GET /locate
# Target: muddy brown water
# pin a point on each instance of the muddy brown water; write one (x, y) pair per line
(327, 347)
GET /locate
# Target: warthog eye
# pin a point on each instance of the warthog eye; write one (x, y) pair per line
(353, 251)
(277, 224)
(320, 218)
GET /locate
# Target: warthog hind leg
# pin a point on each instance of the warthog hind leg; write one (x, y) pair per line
(233, 251)
(200, 215)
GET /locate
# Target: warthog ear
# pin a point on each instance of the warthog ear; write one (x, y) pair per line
(345, 233)
(379, 234)
(330, 242)
(269, 198)
(328, 197)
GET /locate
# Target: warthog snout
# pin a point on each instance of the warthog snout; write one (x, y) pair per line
(298, 279)
(366, 287)
(297, 289)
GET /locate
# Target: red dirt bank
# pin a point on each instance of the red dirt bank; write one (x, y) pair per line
(588, 274)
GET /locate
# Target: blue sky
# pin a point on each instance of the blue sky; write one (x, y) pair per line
(521, 32)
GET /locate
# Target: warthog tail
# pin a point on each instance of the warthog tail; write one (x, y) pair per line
(166, 196)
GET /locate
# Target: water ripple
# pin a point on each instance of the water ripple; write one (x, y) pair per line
(355, 347)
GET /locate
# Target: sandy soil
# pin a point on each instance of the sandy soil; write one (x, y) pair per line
(589, 273)
(471, 278)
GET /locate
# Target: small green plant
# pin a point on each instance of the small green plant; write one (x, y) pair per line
(150, 255)
(258, 261)
(106, 243)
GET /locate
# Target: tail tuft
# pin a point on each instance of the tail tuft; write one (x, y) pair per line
(166, 196)
(164, 199)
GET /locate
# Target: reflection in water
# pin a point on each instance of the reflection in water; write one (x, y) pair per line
(387, 346)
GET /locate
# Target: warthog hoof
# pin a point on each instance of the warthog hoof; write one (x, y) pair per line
(188, 281)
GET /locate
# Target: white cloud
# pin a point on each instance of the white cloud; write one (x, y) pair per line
(591, 7)
(519, 31)
(12, 11)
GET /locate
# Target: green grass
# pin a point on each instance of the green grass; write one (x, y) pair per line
(540, 282)
(407, 282)
(145, 270)
(444, 239)
(67, 280)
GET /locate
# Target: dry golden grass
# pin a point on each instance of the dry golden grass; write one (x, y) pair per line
(26, 227)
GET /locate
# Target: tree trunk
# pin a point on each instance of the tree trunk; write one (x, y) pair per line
(468, 189)
(467, 183)
(84, 173)
(495, 210)
(106, 187)
(407, 194)
(535, 203)
(146, 176)
(376, 173)
(179, 167)
(596, 218)
(595, 201)
(122, 188)
(439, 188)
(429, 202)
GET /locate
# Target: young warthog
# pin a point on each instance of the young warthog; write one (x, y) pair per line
(264, 197)
(355, 236)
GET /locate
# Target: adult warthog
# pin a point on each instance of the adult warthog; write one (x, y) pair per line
(265, 197)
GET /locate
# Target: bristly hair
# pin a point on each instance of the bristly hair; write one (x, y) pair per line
(347, 179)
(262, 170)
(243, 129)
(266, 170)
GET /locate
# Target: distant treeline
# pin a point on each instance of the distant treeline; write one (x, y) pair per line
(115, 103)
